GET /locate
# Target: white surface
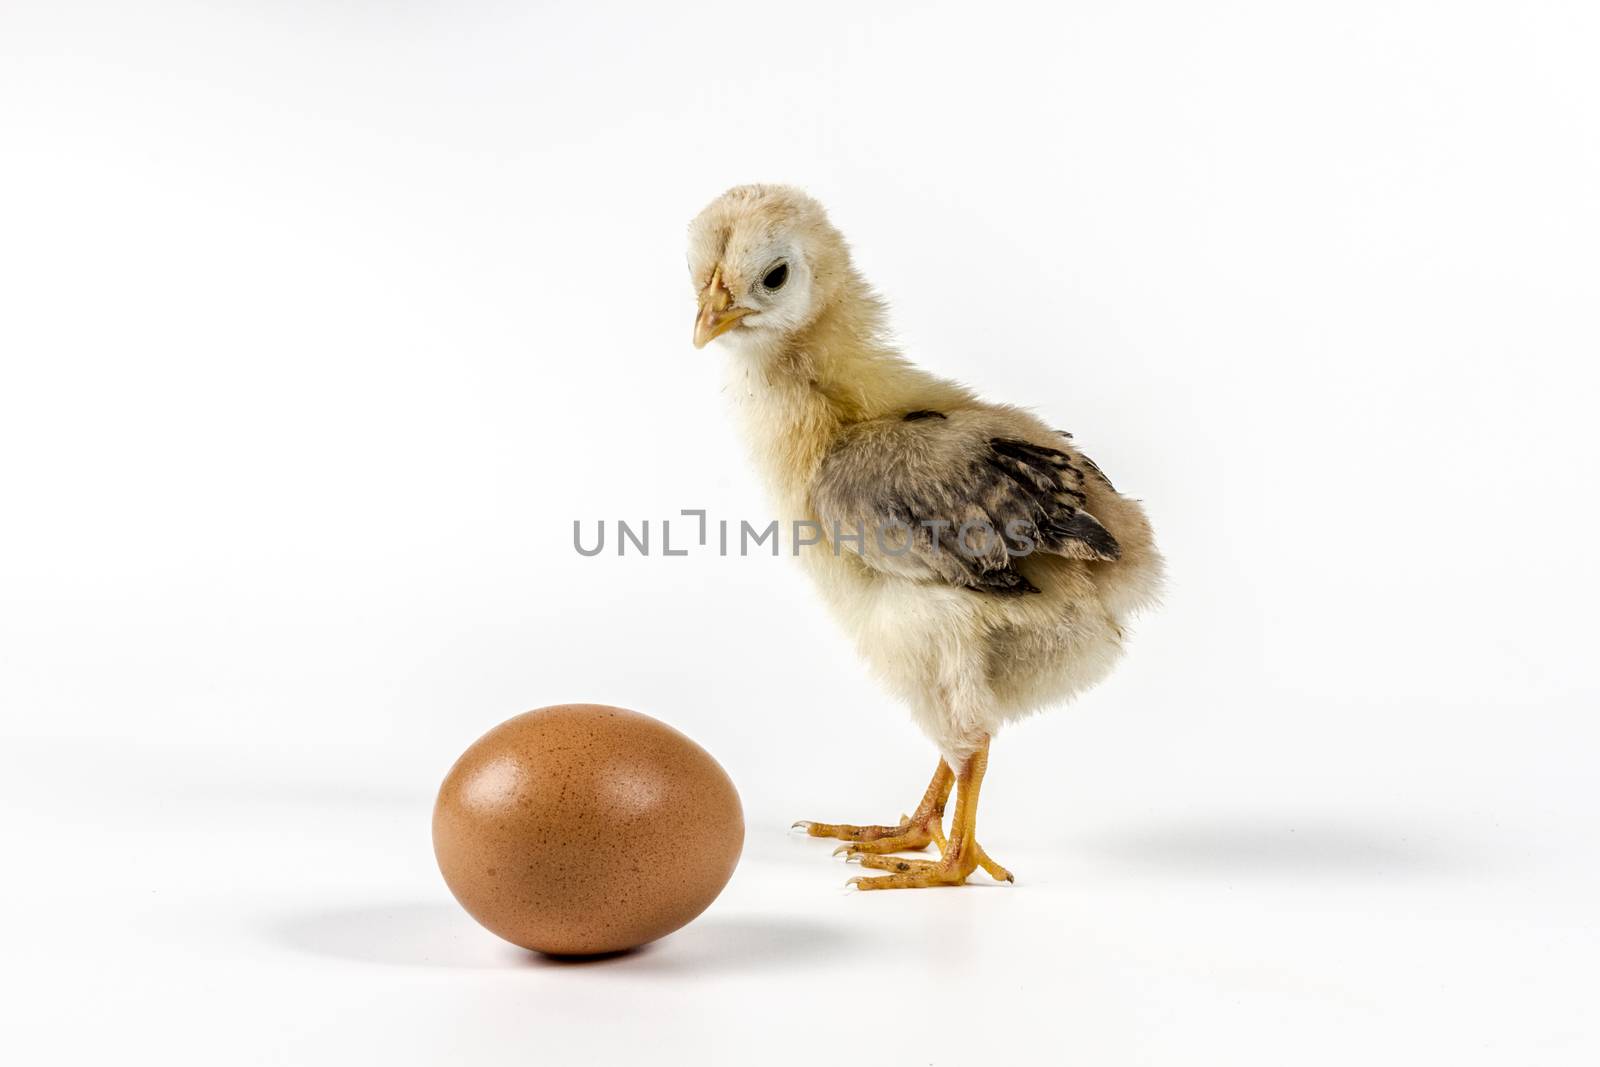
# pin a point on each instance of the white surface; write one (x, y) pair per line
(196, 906)
(321, 324)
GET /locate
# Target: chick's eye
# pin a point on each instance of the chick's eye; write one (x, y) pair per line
(776, 276)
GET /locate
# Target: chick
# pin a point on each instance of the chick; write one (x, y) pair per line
(983, 564)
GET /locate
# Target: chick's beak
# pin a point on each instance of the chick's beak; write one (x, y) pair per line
(717, 315)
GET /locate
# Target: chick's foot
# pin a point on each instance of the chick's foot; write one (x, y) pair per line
(952, 869)
(912, 833)
(961, 854)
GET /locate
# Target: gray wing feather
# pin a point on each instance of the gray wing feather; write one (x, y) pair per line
(955, 499)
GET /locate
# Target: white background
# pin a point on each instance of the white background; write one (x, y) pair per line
(321, 323)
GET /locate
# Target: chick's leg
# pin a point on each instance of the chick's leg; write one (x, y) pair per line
(913, 832)
(962, 855)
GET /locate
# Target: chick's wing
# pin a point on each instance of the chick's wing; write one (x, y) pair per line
(957, 498)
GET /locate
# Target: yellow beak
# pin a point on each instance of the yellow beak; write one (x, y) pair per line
(716, 316)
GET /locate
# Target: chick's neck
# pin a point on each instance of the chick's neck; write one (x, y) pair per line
(837, 372)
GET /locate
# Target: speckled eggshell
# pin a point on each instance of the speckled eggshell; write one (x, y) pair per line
(582, 828)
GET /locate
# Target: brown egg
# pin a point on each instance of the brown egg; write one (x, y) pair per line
(582, 828)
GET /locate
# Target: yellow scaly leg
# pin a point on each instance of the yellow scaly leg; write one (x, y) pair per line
(961, 854)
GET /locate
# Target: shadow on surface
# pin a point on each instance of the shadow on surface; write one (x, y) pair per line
(408, 934)
(442, 935)
(1314, 847)
(737, 943)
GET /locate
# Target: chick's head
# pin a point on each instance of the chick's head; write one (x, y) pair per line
(765, 262)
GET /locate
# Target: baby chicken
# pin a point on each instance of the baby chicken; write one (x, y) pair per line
(983, 564)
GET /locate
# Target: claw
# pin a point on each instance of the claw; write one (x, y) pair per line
(801, 824)
(846, 851)
(855, 883)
